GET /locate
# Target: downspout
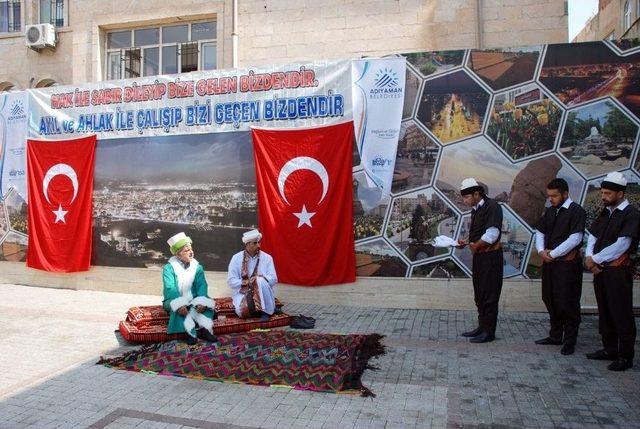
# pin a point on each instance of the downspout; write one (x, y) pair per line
(234, 33)
(479, 24)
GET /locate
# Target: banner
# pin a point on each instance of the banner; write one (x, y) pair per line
(304, 202)
(378, 99)
(61, 189)
(200, 102)
(13, 130)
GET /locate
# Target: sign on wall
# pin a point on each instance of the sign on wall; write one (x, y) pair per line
(514, 118)
(200, 102)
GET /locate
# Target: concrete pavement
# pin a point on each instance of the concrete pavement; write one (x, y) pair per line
(430, 377)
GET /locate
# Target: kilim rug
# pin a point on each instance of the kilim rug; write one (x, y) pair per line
(308, 361)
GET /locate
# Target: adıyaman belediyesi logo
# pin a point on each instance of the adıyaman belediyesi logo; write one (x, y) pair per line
(386, 84)
(16, 111)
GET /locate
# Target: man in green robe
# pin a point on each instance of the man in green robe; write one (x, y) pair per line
(185, 293)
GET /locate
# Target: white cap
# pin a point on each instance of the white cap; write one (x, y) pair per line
(178, 241)
(616, 178)
(469, 182)
(253, 235)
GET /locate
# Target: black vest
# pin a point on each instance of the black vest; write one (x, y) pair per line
(487, 216)
(621, 223)
(558, 227)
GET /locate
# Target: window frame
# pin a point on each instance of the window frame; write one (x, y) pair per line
(19, 28)
(160, 45)
(626, 15)
(65, 16)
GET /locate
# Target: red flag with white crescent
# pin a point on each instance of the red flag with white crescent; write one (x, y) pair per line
(60, 180)
(305, 204)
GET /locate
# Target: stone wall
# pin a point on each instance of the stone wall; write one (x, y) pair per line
(279, 31)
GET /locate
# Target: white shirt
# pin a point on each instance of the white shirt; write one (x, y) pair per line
(612, 251)
(567, 245)
(491, 234)
(266, 269)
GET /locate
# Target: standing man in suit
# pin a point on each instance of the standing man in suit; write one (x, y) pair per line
(487, 266)
(613, 239)
(558, 240)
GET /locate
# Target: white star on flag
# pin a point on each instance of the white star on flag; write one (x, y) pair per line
(60, 214)
(304, 217)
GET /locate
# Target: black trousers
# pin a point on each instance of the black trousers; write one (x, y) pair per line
(616, 323)
(561, 292)
(487, 272)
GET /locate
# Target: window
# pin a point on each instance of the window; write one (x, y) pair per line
(168, 49)
(626, 17)
(10, 16)
(611, 36)
(52, 12)
(46, 83)
(6, 86)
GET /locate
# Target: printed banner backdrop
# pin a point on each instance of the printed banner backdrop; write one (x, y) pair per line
(513, 117)
(378, 97)
(13, 181)
(200, 102)
(13, 131)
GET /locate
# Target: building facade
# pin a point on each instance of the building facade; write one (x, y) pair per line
(112, 39)
(616, 19)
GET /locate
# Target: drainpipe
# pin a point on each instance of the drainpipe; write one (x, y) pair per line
(479, 23)
(234, 34)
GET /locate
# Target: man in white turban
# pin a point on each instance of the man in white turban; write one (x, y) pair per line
(185, 293)
(612, 242)
(252, 277)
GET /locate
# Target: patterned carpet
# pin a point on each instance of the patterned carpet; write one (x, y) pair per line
(308, 361)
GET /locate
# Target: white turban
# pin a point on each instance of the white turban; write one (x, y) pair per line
(253, 235)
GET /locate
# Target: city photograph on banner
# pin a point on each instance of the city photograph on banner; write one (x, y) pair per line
(504, 67)
(148, 189)
(453, 106)
(568, 111)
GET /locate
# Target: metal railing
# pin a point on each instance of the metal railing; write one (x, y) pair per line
(56, 12)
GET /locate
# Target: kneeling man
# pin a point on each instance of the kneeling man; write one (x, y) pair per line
(251, 278)
(185, 293)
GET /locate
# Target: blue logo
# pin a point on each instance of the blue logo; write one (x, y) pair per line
(386, 78)
(17, 108)
(381, 162)
(16, 111)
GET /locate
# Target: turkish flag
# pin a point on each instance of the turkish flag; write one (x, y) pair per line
(305, 206)
(60, 180)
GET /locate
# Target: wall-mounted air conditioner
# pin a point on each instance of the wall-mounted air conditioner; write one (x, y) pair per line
(39, 36)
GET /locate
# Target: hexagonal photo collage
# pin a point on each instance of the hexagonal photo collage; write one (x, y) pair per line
(514, 119)
(13, 227)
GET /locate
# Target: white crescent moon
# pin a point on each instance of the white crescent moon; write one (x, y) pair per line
(303, 163)
(60, 169)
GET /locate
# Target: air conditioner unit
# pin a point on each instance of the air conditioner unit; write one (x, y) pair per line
(38, 36)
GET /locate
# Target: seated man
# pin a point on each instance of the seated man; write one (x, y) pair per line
(251, 278)
(185, 293)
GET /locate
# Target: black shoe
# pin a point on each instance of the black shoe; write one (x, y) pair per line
(568, 349)
(264, 317)
(483, 337)
(310, 319)
(601, 355)
(192, 341)
(300, 323)
(278, 310)
(548, 342)
(473, 333)
(207, 336)
(620, 364)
